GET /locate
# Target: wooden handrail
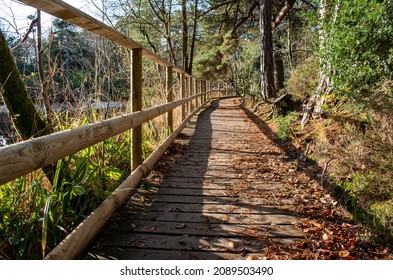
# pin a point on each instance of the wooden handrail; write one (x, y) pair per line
(71, 14)
(24, 157)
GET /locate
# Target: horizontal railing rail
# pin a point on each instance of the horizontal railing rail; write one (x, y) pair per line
(24, 157)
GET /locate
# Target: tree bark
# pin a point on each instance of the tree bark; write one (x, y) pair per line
(193, 40)
(268, 89)
(184, 35)
(279, 74)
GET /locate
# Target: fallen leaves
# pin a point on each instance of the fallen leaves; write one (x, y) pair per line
(344, 253)
(152, 228)
(181, 226)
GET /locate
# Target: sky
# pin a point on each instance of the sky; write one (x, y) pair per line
(14, 14)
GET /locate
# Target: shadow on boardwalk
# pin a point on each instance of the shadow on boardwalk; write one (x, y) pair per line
(219, 200)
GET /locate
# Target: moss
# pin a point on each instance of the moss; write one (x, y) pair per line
(377, 216)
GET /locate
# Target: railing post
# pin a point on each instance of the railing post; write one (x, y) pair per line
(169, 94)
(136, 105)
(188, 94)
(183, 95)
(204, 90)
(196, 92)
(209, 90)
(191, 80)
(200, 91)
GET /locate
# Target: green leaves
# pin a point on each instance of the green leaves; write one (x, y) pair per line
(113, 173)
(78, 190)
(358, 44)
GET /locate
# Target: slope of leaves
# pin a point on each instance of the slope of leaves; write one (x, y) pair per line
(330, 230)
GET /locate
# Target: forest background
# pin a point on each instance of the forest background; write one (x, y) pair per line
(320, 72)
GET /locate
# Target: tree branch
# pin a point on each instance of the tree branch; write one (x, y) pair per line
(33, 22)
(215, 7)
(284, 11)
(248, 16)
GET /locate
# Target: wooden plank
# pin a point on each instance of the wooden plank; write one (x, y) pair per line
(218, 191)
(229, 172)
(249, 200)
(213, 182)
(195, 177)
(213, 218)
(185, 243)
(217, 208)
(214, 230)
(117, 253)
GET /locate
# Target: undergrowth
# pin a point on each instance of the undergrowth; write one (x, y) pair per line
(285, 130)
(354, 144)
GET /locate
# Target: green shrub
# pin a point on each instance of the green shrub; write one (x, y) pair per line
(358, 45)
(304, 79)
(285, 124)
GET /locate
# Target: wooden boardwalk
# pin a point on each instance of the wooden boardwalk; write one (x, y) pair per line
(222, 198)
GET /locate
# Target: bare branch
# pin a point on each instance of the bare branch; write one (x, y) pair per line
(248, 16)
(33, 22)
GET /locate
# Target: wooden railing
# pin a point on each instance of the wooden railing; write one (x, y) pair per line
(24, 157)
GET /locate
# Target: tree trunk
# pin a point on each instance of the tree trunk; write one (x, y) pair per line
(25, 118)
(279, 74)
(193, 40)
(41, 70)
(184, 35)
(289, 45)
(97, 67)
(315, 103)
(268, 89)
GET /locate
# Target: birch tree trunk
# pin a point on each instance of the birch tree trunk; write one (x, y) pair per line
(314, 106)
